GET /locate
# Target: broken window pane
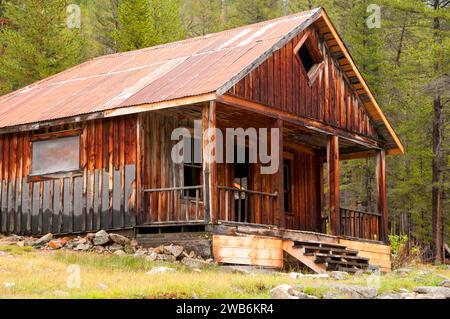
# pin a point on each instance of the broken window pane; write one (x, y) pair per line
(56, 155)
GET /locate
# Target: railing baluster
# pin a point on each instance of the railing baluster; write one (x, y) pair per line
(197, 197)
(186, 197)
(227, 199)
(239, 206)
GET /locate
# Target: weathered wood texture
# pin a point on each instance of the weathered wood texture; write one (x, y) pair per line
(159, 171)
(280, 83)
(101, 195)
(305, 192)
(248, 250)
(378, 254)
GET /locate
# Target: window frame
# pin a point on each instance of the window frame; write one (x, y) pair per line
(315, 54)
(53, 136)
(193, 165)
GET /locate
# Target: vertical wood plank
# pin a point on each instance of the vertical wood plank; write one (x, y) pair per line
(333, 184)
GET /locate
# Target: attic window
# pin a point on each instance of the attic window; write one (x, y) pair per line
(309, 58)
(56, 154)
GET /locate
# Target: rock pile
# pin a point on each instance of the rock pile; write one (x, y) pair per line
(110, 243)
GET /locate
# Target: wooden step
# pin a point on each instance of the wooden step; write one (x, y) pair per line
(304, 243)
(330, 250)
(353, 258)
(338, 262)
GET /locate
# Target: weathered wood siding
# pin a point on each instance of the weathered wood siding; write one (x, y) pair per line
(159, 171)
(305, 192)
(280, 83)
(102, 197)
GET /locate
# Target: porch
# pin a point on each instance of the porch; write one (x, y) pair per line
(211, 193)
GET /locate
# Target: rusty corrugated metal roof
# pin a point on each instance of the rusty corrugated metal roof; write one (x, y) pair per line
(186, 68)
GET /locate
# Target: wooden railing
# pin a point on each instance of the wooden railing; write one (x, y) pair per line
(246, 206)
(360, 224)
(173, 205)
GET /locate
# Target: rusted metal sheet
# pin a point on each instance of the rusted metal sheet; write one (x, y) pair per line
(175, 70)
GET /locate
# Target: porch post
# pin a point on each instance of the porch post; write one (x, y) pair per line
(381, 193)
(209, 160)
(279, 188)
(333, 184)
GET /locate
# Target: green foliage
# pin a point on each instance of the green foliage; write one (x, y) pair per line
(37, 42)
(244, 12)
(202, 17)
(145, 23)
(397, 242)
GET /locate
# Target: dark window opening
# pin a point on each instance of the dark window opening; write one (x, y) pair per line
(287, 167)
(241, 179)
(306, 58)
(192, 171)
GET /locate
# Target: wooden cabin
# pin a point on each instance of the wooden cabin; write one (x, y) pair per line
(90, 148)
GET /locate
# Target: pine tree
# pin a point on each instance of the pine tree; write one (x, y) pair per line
(145, 23)
(243, 12)
(202, 17)
(37, 42)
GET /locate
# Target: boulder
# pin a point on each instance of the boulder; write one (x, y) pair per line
(140, 253)
(82, 247)
(120, 253)
(340, 275)
(353, 292)
(55, 244)
(403, 271)
(194, 262)
(433, 291)
(9, 285)
(317, 276)
(43, 240)
(115, 247)
(174, 250)
(90, 237)
(134, 244)
(101, 238)
(64, 240)
(287, 292)
(161, 270)
(119, 239)
(98, 249)
(160, 257)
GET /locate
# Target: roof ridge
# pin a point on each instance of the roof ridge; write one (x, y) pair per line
(209, 35)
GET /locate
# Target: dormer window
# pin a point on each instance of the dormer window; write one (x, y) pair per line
(309, 58)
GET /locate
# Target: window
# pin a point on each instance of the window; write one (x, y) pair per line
(309, 57)
(287, 170)
(192, 171)
(54, 154)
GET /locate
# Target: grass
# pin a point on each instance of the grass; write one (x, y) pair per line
(45, 274)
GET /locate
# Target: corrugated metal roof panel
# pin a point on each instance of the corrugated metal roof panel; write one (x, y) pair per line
(175, 70)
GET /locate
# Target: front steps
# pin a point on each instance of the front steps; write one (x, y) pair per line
(322, 257)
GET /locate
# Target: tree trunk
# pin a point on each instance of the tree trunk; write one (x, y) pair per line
(436, 190)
